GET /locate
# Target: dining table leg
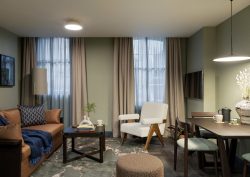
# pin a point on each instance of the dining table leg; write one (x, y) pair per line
(232, 153)
(224, 159)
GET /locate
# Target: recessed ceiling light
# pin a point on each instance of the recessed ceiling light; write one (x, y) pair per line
(74, 26)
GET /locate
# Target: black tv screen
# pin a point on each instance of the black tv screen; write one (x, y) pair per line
(7, 71)
(193, 85)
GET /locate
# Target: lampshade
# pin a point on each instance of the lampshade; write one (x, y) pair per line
(231, 57)
(40, 86)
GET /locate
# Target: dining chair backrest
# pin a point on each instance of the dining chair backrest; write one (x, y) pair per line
(203, 114)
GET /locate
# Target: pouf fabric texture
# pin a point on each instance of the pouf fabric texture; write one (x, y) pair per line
(139, 165)
(32, 115)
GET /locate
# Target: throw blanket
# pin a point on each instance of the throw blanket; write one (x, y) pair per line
(40, 143)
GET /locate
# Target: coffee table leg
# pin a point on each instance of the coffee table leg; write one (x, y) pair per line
(101, 141)
(64, 149)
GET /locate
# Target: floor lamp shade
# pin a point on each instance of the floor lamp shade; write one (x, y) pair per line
(40, 85)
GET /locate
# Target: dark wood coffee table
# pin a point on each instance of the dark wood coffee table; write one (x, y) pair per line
(73, 133)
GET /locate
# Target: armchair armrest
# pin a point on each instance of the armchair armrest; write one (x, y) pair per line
(129, 116)
(147, 121)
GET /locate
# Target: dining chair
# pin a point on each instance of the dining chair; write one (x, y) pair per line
(192, 144)
(246, 158)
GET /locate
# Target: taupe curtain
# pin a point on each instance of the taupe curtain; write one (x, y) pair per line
(79, 79)
(28, 63)
(123, 83)
(175, 98)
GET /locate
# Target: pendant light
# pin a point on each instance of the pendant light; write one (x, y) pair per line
(232, 57)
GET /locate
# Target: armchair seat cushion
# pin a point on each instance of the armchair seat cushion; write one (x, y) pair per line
(246, 157)
(138, 129)
(198, 144)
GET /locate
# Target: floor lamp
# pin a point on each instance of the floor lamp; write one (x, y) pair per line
(40, 85)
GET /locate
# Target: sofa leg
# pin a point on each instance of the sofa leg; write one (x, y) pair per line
(124, 138)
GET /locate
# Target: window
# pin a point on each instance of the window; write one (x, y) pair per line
(53, 54)
(150, 70)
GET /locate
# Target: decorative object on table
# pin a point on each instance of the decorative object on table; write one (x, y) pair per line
(7, 71)
(243, 107)
(86, 123)
(99, 122)
(226, 114)
(40, 85)
(218, 118)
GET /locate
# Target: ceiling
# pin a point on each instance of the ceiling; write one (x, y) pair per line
(112, 18)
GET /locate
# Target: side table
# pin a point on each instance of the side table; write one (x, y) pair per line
(73, 133)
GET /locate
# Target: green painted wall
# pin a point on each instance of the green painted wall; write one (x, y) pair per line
(220, 89)
(10, 45)
(99, 56)
(201, 50)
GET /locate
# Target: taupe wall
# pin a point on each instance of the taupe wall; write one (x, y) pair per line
(99, 55)
(10, 45)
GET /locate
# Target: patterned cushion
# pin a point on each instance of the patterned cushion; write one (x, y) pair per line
(32, 115)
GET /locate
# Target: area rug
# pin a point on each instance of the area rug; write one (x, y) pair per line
(53, 167)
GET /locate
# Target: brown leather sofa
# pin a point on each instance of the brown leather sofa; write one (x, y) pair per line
(14, 157)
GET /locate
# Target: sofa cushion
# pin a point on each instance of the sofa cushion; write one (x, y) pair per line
(32, 115)
(11, 131)
(13, 115)
(53, 116)
(26, 151)
(51, 128)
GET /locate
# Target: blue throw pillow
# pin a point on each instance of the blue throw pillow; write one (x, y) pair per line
(32, 115)
(3, 121)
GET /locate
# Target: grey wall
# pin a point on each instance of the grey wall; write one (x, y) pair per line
(10, 45)
(99, 56)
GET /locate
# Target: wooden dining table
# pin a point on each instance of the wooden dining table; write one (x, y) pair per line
(224, 131)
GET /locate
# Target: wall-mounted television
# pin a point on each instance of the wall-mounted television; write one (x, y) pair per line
(7, 71)
(193, 85)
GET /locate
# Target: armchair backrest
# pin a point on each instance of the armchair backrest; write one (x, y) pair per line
(154, 110)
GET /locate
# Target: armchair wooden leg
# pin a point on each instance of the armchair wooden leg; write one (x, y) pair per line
(150, 134)
(175, 155)
(158, 133)
(124, 137)
(153, 128)
(216, 164)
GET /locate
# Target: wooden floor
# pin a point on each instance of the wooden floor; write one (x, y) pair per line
(166, 154)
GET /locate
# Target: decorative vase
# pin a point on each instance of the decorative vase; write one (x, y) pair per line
(243, 110)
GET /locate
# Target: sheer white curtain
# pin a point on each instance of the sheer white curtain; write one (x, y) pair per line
(149, 70)
(54, 55)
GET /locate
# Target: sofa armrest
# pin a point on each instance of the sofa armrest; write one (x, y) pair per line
(147, 121)
(11, 157)
(129, 117)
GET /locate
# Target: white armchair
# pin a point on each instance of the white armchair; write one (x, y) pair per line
(151, 122)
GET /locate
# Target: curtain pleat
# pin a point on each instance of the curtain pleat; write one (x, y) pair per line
(28, 63)
(123, 82)
(175, 94)
(79, 79)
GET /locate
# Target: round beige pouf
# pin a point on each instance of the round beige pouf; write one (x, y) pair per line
(139, 165)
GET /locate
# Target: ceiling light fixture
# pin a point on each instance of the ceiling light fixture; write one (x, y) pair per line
(73, 25)
(232, 57)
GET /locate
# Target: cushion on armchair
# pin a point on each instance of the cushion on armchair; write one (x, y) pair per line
(32, 115)
(53, 116)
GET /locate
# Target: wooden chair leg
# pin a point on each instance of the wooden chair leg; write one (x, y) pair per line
(245, 169)
(124, 137)
(150, 134)
(158, 133)
(175, 155)
(185, 162)
(216, 164)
